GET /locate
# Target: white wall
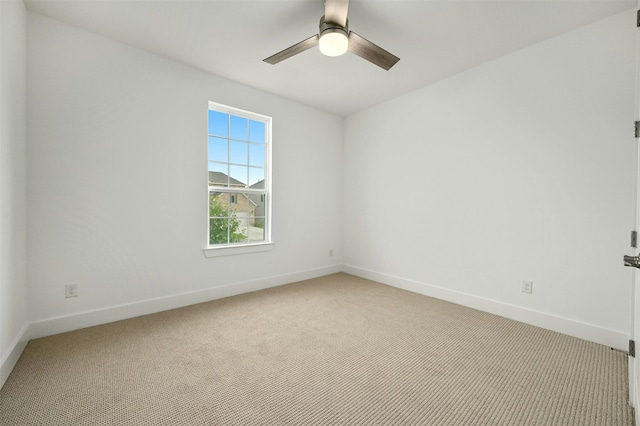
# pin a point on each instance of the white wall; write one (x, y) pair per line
(13, 280)
(118, 183)
(520, 169)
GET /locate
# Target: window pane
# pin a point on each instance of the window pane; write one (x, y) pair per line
(259, 185)
(226, 200)
(218, 149)
(218, 174)
(218, 124)
(256, 174)
(256, 155)
(239, 128)
(238, 220)
(240, 236)
(256, 229)
(218, 205)
(218, 231)
(257, 131)
(238, 175)
(239, 152)
(257, 204)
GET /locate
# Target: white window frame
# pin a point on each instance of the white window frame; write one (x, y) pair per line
(248, 246)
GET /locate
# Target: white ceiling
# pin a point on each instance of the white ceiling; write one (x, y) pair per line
(434, 39)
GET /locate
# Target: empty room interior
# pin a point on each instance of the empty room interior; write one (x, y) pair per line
(202, 225)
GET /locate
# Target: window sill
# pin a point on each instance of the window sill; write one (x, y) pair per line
(234, 250)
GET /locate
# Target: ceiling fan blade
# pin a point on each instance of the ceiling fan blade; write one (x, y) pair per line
(371, 52)
(335, 11)
(293, 50)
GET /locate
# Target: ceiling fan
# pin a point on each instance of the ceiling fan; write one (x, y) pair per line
(335, 39)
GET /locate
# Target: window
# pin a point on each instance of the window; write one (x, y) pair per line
(239, 172)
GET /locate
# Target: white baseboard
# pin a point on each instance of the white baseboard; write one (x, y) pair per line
(50, 326)
(9, 359)
(612, 338)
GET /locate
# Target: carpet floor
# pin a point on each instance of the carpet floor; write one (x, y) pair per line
(336, 350)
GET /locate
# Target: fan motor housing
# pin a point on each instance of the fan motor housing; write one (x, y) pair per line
(332, 27)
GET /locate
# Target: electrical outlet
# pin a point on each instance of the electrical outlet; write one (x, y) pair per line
(527, 287)
(71, 290)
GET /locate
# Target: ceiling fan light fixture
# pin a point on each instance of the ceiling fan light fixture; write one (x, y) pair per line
(335, 39)
(334, 42)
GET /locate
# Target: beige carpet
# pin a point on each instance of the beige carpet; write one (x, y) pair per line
(337, 350)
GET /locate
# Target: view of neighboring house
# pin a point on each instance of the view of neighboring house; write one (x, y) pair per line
(241, 204)
(248, 208)
(258, 199)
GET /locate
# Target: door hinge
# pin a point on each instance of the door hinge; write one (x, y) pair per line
(638, 21)
(632, 348)
(634, 239)
(637, 124)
